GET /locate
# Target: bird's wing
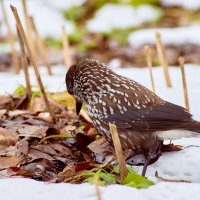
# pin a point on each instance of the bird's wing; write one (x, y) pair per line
(167, 116)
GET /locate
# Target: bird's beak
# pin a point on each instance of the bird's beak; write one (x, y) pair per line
(78, 106)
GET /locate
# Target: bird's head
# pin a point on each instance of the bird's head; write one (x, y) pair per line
(87, 80)
(71, 85)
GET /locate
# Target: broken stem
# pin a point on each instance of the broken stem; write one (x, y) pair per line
(11, 40)
(32, 59)
(148, 52)
(66, 51)
(118, 151)
(41, 45)
(181, 64)
(24, 64)
(163, 59)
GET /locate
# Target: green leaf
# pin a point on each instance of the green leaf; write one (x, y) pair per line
(108, 178)
(101, 178)
(137, 181)
(117, 170)
(20, 90)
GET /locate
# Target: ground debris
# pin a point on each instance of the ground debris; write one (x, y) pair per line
(32, 146)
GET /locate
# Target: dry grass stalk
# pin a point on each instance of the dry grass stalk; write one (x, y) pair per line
(41, 45)
(11, 40)
(181, 63)
(24, 63)
(163, 59)
(66, 50)
(118, 151)
(148, 52)
(29, 31)
(32, 59)
(98, 194)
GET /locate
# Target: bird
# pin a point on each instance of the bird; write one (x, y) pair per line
(143, 119)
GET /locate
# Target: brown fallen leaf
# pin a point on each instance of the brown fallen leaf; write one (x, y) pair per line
(61, 149)
(45, 149)
(28, 130)
(22, 146)
(3, 112)
(67, 172)
(9, 151)
(45, 116)
(14, 113)
(6, 162)
(101, 146)
(7, 138)
(35, 154)
(171, 147)
(6, 102)
(67, 129)
(38, 105)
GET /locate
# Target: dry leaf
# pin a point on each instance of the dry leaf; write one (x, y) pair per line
(45, 116)
(6, 102)
(67, 129)
(29, 130)
(7, 138)
(2, 112)
(22, 146)
(46, 149)
(6, 162)
(38, 105)
(67, 172)
(61, 149)
(17, 112)
(100, 146)
(35, 154)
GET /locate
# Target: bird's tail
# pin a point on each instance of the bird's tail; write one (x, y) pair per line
(192, 131)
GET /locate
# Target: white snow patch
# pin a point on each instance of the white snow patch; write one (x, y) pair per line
(112, 16)
(48, 19)
(187, 4)
(170, 36)
(64, 4)
(114, 63)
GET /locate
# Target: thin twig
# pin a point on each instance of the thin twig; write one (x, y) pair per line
(148, 52)
(78, 176)
(181, 64)
(66, 50)
(41, 45)
(163, 59)
(11, 40)
(24, 64)
(32, 59)
(29, 31)
(55, 136)
(97, 190)
(118, 151)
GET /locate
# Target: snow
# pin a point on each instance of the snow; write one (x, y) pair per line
(64, 4)
(187, 4)
(48, 19)
(170, 36)
(183, 165)
(112, 16)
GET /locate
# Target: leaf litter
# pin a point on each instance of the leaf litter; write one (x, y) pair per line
(71, 150)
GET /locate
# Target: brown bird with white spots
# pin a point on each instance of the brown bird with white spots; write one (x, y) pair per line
(142, 118)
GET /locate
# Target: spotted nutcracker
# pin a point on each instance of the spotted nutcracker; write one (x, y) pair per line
(142, 118)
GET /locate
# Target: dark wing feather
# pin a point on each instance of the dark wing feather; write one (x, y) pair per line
(167, 116)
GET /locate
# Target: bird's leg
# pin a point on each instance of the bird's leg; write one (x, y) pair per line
(147, 160)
